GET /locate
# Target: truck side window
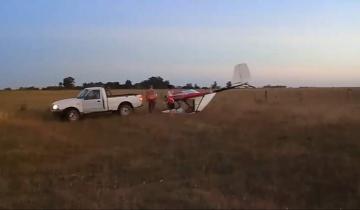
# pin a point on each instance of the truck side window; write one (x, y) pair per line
(93, 94)
(108, 92)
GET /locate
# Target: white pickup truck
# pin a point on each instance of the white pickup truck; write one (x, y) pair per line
(96, 99)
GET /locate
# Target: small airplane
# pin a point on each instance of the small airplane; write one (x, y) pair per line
(194, 101)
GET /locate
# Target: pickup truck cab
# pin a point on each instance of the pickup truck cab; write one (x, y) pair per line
(96, 99)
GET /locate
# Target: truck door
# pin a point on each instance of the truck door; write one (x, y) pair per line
(93, 102)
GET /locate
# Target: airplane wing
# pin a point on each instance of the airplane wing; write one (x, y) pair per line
(203, 101)
(186, 94)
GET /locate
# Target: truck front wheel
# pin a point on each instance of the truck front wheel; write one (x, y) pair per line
(125, 109)
(72, 115)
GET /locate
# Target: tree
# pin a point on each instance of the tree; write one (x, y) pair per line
(96, 84)
(228, 84)
(170, 86)
(128, 84)
(196, 86)
(52, 88)
(214, 85)
(60, 84)
(68, 82)
(156, 82)
(111, 85)
(188, 86)
(28, 88)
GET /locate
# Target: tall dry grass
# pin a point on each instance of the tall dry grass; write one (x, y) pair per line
(299, 148)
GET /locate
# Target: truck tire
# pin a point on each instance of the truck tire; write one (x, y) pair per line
(72, 115)
(125, 109)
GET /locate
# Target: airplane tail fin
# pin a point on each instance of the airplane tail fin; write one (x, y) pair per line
(241, 74)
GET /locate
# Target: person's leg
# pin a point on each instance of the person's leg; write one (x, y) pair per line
(153, 106)
(171, 106)
(149, 106)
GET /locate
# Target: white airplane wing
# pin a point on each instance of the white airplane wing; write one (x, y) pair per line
(203, 101)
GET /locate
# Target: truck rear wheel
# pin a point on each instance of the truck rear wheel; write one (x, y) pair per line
(125, 109)
(72, 115)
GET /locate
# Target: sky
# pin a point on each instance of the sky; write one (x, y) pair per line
(284, 42)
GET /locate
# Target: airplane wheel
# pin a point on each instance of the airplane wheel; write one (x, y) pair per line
(125, 110)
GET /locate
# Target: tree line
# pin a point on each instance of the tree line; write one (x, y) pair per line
(158, 82)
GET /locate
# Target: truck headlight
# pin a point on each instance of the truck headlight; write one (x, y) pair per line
(55, 107)
(140, 97)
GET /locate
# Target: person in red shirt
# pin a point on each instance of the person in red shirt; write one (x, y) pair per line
(151, 97)
(170, 102)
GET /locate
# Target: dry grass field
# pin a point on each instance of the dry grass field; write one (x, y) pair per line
(300, 148)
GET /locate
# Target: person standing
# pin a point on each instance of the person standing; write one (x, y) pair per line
(170, 102)
(151, 97)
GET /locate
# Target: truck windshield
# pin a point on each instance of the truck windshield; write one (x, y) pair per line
(82, 94)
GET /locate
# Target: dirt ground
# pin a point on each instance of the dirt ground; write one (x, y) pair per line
(289, 148)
